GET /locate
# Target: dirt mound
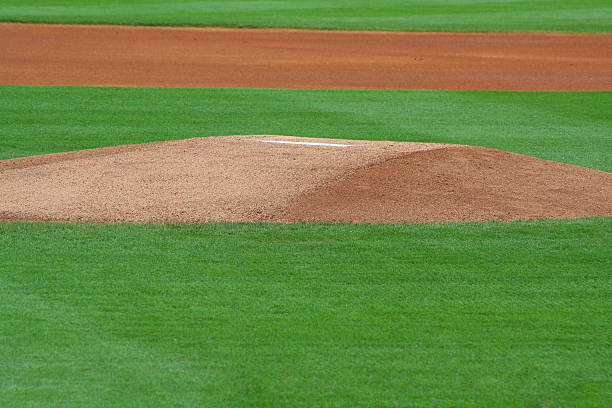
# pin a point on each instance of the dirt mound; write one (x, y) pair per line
(286, 179)
(35, 54)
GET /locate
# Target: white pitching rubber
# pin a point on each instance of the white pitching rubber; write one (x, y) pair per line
(306, 143)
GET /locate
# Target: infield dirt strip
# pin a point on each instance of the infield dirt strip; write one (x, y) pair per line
(32, 54)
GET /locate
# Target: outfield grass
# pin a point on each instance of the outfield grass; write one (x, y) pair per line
(402, 15)
(570, 127)
(454, 315)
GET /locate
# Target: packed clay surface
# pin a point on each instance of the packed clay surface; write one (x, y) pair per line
(255, 178)
(33, 54)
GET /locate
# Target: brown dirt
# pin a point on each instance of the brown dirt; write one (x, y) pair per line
(261, 58)
(240, 178)
(461, 183)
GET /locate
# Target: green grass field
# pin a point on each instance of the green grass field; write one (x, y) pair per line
(407, 315)
(453, 315)
(423, 15)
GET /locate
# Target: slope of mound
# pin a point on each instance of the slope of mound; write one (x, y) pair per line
(286, 179)
(459, 183)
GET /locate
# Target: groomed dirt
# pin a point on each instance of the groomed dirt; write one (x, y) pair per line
(32, 54)
(247, 178)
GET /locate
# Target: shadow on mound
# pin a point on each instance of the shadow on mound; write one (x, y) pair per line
(461, 183)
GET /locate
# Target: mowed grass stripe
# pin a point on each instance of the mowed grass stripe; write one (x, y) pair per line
(571, 127)
(418, 15)
(490, 315)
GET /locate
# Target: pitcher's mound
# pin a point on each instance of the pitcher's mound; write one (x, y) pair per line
(287, 179)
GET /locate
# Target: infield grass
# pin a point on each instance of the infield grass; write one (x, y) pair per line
(454, 315)
(401, 15)
(571, 127)
(422, 315)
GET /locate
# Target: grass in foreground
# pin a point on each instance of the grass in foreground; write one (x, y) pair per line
(494, 314)
(401, 15)
(571, 127)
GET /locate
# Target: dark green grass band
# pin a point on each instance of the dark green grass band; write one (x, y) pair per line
(453, 315)
(571, 127)
(591, 16)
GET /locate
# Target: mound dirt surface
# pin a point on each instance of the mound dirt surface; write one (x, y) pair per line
(33, 54)
(255, 178)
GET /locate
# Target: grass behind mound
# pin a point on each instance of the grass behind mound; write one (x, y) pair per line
(571, 127)
(401, 15)
(494, 314)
